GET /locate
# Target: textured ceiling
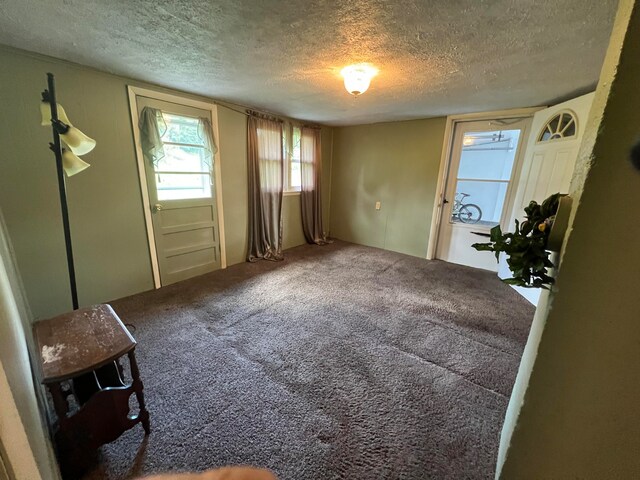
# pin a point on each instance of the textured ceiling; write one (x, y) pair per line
(435, 57)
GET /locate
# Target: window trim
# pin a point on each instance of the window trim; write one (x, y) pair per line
(134, 92)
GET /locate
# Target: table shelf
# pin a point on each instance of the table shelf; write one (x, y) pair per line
(81, 346)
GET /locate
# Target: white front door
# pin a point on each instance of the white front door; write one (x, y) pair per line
(478, 195)
(550, 157)
(181, 194)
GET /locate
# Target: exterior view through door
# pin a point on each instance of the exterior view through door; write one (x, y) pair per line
(484, 161)
(181, 192)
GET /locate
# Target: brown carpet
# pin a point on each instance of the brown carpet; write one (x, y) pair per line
(342, 362)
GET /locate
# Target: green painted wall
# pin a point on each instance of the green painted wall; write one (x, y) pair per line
(105, 205)
(395, 163)
(574, 409)
(292, 216)
(232, 128)
(107, 221)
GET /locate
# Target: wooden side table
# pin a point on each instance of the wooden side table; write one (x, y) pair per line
(78, 343)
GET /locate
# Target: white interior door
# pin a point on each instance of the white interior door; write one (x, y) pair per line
(550, 157)
(484, 163)
(181, 194)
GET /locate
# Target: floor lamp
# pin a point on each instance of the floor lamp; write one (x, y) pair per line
(67, 161)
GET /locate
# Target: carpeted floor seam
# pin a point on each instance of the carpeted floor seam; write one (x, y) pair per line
(444, 367)
(390, 266)
(469, 337)
(228, 326)
(273, 373)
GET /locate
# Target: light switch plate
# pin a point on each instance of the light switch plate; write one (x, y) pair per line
(377, 205)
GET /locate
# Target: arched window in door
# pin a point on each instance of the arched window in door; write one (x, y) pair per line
(562, 125)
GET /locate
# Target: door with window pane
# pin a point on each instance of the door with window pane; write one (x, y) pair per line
(484, 161)
(181, 194)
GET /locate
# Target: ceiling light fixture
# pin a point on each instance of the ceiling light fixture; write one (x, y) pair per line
(357, 78)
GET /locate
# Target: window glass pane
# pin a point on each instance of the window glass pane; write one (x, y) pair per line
(183, 186)
(272, 146)
(296, 143)
(479, 203)
(562, 125)
(488, 155)
(295, 179)
(564, 121)
(178, 158)
(484, 173)
(570, 130)
(192, 158)
(180, 129)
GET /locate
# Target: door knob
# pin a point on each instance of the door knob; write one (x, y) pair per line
(157, 207)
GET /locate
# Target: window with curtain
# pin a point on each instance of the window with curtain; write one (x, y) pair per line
(310, 191)
(291, 138)
(184, 171)
(270, 156)
(265, 152)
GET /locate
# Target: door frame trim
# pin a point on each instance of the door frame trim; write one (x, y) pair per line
(445, 161)
(134, 92)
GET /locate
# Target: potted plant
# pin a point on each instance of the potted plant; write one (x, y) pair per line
(527, 247)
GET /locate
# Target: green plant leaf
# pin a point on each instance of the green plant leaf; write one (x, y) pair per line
(496, 233)
(526, 248)
(482, 247)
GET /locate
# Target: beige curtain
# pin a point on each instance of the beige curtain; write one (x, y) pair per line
(205, 133)
(266, 183)
(150, 134)
(310, 196)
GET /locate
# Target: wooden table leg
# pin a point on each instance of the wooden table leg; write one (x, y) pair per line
(73, 456)
(60, 403)
(138, 388)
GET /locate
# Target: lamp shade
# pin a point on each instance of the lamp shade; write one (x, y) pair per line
(45, 111)
(72, 164)
(77, 141)
(357, 78)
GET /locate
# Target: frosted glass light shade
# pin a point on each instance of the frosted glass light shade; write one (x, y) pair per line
(77, 141)
(357, 78)
(45, 111)
(72, 164)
